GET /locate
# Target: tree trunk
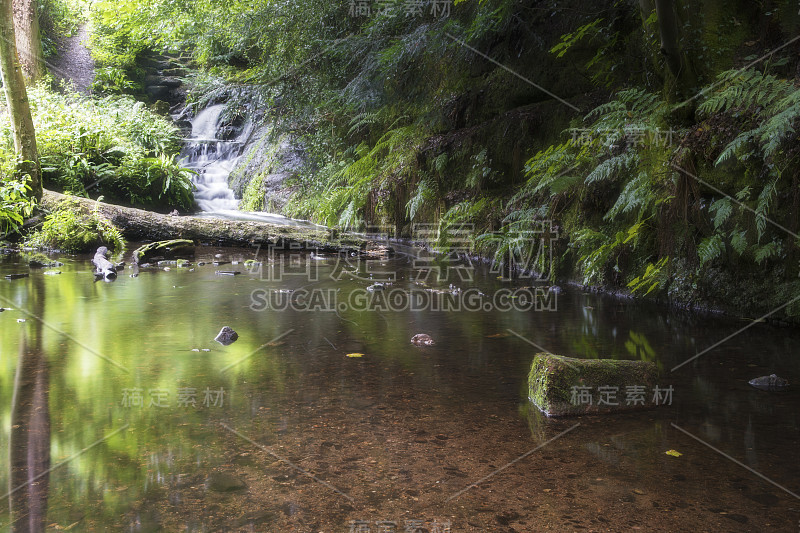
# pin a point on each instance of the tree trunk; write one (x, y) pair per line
(678, 64)
(138, 225)
(29, 38)
(17, 100)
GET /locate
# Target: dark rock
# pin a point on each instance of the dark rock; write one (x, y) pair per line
(185, 126)
(175, 71)
(158, 92)
(770, 383)
(172, 83)
(422, 339)
(224, 482)
(226, 336)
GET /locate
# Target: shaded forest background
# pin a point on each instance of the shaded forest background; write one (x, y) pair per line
(654, 142)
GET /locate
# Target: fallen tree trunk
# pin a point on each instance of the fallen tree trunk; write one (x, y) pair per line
(139, 225)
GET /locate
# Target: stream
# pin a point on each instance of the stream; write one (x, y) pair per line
(323, 417)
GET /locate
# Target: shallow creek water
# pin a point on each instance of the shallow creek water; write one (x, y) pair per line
(385, 441)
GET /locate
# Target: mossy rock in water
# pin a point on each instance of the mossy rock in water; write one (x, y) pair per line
(565, 386)
(174, 249)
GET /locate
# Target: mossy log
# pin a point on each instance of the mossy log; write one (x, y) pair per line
(139, 226)
(565, 386)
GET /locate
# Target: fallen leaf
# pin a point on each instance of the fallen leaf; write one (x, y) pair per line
(355, 355)
(673, 453)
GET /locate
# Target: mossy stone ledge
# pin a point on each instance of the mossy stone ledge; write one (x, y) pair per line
(565, 386)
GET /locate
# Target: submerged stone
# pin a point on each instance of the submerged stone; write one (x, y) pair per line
(771, 382)
(226, 336)
(565, 386)
(224, 482)
(422, 339)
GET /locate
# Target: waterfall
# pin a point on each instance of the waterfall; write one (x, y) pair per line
(213, 159)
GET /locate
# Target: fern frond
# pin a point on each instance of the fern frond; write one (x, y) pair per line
(710, 248)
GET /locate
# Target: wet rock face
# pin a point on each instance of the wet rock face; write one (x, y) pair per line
(268, 162)
(770, 383)
(422, 339)
(226, 336)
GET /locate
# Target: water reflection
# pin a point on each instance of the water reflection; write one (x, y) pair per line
(400, 429)
(29, 440)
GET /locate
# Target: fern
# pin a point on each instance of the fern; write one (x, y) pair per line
(425, 193)
(638, 194)
(710, 248)
(768, 193)
(612, 167)
(654, 277)
(745, 89)
(722, 210)
(739, 241)
(762, 253)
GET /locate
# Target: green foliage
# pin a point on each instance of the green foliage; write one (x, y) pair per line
(776, 103)
(15, 205)
(112, 80)
(710, 248)
(71, 228)
(568, 40)
(655, 276)
(597, 249)
(111, 146)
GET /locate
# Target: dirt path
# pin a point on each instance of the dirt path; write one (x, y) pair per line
(74, 63)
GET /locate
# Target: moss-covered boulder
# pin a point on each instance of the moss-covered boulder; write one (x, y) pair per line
(565, 386)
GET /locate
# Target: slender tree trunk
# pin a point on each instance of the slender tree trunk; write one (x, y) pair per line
(17, 99)
(678, 64)
(29, 38)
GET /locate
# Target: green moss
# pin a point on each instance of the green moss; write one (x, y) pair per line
(552, 378)
(253, 197)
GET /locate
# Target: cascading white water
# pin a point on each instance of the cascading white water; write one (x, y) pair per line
(212, 159)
